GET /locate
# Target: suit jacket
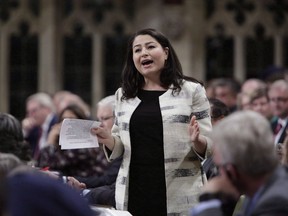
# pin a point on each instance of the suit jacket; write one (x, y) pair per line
(108, 177)
(37, 194)
(283, 134)
(273, 199)
(34, 135)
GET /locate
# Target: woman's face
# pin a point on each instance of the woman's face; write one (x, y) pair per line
(262, 106)
(148, 55)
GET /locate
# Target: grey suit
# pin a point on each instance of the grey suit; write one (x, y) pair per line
(273, 199)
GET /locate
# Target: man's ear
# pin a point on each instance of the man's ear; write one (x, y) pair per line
(231, 172)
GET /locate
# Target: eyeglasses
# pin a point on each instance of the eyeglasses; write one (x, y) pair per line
(34, 110)
(102, 119)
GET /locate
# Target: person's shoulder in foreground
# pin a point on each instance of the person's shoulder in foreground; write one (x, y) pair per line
(240, 149)
(32, 194)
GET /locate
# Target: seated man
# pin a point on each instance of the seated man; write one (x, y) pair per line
(244, 153)
(33, 193)
(98, 190)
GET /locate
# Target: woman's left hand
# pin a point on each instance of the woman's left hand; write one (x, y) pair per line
(199, 141)
(194, 129)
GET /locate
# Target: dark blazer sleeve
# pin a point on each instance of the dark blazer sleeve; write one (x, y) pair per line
(209, 212)
(108, 178)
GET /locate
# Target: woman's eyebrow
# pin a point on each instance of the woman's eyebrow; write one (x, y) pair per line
(147, 43)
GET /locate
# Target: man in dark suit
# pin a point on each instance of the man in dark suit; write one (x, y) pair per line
(278, 97)
(248, 165)
(39, 121)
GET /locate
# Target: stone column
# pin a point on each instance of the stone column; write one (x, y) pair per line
(239, 58)
(195, 59)
(4, 71)
(49, 78)
(97, 71)
(278, 50)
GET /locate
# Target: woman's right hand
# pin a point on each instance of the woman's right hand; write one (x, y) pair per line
(104, 136)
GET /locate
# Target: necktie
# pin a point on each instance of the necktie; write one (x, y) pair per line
(277, 128)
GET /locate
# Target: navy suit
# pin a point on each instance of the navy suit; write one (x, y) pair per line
(272, 200)
(34, 135)
(33, 194)
(103, 187)
(283, 134)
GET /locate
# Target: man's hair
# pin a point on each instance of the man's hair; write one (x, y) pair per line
(108, 101)
(232, 84)
(218, 108)
(245, 140)
(43, 99)
(259, 93)
(7, 163)
(12, 139)
(279, 84)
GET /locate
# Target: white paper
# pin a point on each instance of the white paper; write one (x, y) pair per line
(75, 134)
(110, 212)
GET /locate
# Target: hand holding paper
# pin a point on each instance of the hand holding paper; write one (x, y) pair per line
(75, 134)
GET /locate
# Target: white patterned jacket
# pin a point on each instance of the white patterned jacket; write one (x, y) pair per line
(182, 164)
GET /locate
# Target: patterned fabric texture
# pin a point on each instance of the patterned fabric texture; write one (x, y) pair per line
(74, 162)
(182, 164)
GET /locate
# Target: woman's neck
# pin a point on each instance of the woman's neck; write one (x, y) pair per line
(150, 85)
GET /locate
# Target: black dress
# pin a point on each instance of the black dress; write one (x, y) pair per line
(147, 187)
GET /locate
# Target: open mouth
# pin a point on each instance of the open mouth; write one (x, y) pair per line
(146, 62)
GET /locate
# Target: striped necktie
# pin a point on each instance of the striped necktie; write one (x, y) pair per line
(277, 128)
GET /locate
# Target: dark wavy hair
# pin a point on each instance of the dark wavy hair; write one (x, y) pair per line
(218, 108)
(12, 139)
(172, 73)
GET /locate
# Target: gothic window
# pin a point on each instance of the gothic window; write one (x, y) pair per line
(259, 53)
(219, 55)
(114, 55)
(78, 63)
(23, 63)
(285, 41)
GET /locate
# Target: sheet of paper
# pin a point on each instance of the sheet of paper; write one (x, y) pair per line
(75, 134)
(110, 212)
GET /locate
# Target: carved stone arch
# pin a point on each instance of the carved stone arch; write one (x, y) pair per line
(18, 16)
(77, 17)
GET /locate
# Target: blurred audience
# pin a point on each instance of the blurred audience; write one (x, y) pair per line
(7, 163)
(243, 101)
(12, 139)
(31, 193)
(218, 111)
(63, 98)
(242, 142)
(249, 86)
(247, 89)
(283, 152)
(101, 189)
(259, 102)
(278, 97)
(25, 190)
(226, 90)
(39, 121)
(73, 162)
